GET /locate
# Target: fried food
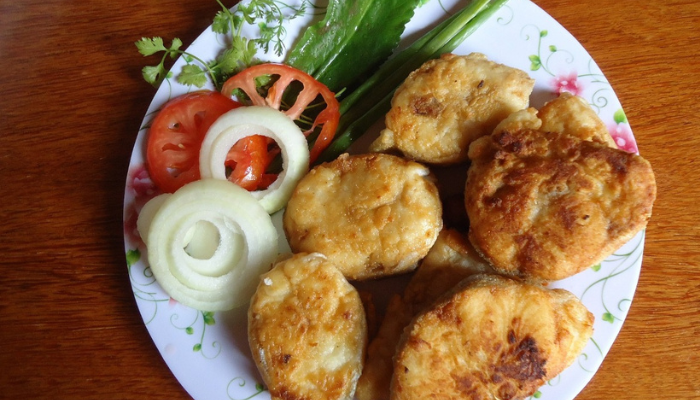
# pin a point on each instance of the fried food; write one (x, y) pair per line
(449, 261)
(547, 205)
(491, 338)
(572, 115)
(449, 102)
(307, 330)
(372, 215)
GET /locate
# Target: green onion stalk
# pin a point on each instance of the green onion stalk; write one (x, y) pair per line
(371, 100)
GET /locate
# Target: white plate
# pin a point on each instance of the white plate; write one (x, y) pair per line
(208, 353)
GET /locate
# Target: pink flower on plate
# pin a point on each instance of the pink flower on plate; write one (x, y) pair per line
(131, 233)
(140, 183)
(622, 135)
(567, 83)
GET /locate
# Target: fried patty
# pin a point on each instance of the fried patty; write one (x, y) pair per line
(372, 215)
(307, 330)
(547, 205)
(492, 338)
(447, 103)
(450, 260)
(572, 115)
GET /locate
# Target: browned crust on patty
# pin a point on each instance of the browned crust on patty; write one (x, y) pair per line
(491, 337)
(307, 330)
(548, 205)
(447, 103)
(451, 259)
(372, 215)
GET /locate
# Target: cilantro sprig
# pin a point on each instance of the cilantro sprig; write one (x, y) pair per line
(268, 15)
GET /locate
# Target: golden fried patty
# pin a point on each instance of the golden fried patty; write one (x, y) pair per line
(371, 215)
(447, 103)
(307, 331)
(547, 205)
(572, 115)
(451, 259)
(492, 338)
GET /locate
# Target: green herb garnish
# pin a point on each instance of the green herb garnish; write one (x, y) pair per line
(372, 99)
(268, 15)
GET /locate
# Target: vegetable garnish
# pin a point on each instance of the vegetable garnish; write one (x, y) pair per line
(353, 39)
(268, 15)
(261, 121)
(306, 99)
(249, 160)
(371, 100)
(175, 136)
(207, 243)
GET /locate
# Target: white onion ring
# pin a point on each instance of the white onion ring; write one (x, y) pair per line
(247, 244)
(257, 120)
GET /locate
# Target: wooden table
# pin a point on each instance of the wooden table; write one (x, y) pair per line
(71, 103)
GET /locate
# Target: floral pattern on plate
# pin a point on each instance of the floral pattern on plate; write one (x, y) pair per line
(208, 352)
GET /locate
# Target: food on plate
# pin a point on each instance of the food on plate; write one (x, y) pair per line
(176, 134)
(451, 259)
(490, 338)
(353, 39)
(449, 102)
(267, 122)
(314, 96)
(361, 108)
(207, 243)
(378, 215)
(307, 330)
(572, 115)
(238, 49)
(546, 204)
(372, 215)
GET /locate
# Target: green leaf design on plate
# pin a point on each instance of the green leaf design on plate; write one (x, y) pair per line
(189, 330)
(535, 62)
(543, 33)
(537, 394)
(240, 382)
(596, 267)
(608, 317)
(208, 318)
(197, 347)
(620, 117)
(132, 257)
(553, 48)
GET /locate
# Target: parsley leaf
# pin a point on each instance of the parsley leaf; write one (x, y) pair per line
(268, 15)
(192, 75)
(148, 47)
(221, 23)
(174, 46)
(153, 75)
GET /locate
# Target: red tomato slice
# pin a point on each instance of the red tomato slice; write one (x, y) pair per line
(176, 134)
(249, 158)
(327, 118)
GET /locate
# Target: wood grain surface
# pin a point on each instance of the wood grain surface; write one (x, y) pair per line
(71, 102)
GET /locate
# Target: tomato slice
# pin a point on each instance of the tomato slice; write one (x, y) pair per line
(249, 158)
(176, 134)
(327, 119)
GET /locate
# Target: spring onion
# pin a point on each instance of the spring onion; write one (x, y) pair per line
(372, 99)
